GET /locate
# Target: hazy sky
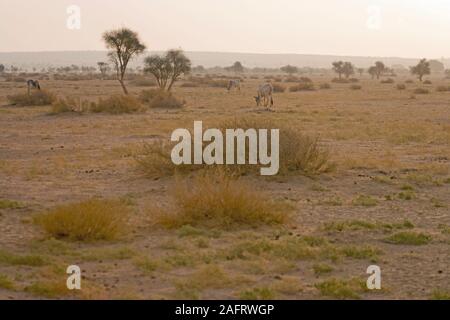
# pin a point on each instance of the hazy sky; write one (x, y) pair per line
(406, 28)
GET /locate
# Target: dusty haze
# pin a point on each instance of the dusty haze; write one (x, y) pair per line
(402, 28)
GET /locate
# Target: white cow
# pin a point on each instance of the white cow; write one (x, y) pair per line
(234, 84)
(33, 84)
(264, 93)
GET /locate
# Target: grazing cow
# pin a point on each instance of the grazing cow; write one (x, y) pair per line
(265, 94)
(33, 84)
(234, 84)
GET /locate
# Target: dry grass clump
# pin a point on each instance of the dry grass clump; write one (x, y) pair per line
(401, 86)
(427, 82)
(36, 98)
(160, 99)
(355, 87)
(116, 105)
(443, 89)
(290, 79)
(189, 85)
(421, 91)
(342, 80)
(217, 83)
(215, 199)
(155, 161)
(86, 221)
(302, 86)
(63, 105)
(409, 81)
(278, 88)
(143, 82)
(299, 153)
(387, 81)
(325, 86)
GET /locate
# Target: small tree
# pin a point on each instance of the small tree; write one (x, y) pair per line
(338, 67)
(380, 68)
(360, 71)
(237, 67)
(348, 69)
(123, 44)
(103, 67)
(289, 69)
(421, 69)
(199, 69)
(168, 68)
(372, 71)
(2, 68)
(447, 73)
(436, 66)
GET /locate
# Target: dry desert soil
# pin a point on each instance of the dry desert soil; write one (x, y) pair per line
(385, 202)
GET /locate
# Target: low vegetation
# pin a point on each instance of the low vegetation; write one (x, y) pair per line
(302, 86)
(216, 199)
(341, 289)
(64, 105)
(10, 204)
(117, 104)
(298, 152)
(421, 91)
(160, 99)
(409, 238)
(36, 98)
(85, 221)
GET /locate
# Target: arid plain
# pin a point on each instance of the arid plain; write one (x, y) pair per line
(384, 201)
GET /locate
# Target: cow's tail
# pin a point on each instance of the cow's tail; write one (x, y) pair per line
(271, 101)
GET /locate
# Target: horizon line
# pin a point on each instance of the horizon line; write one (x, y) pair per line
(232, 52)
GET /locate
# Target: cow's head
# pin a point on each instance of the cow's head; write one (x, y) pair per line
(258, 100)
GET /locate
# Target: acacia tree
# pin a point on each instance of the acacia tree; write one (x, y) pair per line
(447, 73)
(360, 71)
(380, 68)
(348, 69)
(338, 67)
(237, 67)
(103, 67)
(167, 69)
(372, 71)
(421, 69)
(123, 45)
(289, 69)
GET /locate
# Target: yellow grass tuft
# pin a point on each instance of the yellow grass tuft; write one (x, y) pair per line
(116, 105)
(86, 221)
(299, 153)
(156, 98)
(215, 199)
(36, 98)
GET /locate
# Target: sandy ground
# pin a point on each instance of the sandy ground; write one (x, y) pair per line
(384, 142)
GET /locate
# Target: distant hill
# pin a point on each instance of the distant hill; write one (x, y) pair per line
(29, 60)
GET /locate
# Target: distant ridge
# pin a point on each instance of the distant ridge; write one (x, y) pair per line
(29, 60)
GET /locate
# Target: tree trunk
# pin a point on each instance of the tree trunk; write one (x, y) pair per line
(125, 91)
(420, 77)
